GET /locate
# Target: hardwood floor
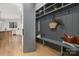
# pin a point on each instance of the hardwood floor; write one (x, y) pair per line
(43, 51)
(11, 46)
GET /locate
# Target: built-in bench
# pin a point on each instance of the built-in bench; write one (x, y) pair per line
(59, 43)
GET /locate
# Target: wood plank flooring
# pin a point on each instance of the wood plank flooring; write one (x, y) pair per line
(13, 47)
(43, 51)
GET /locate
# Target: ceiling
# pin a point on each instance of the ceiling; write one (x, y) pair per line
(38, 5)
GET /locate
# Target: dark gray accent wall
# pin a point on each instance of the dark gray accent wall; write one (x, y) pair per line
(70, 18)
(29, 43)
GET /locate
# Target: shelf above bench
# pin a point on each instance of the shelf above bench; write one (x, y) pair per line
(54, 10)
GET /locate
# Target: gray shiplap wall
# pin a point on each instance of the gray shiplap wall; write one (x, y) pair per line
(70, 18)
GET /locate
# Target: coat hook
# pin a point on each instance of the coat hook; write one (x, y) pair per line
(68, 11)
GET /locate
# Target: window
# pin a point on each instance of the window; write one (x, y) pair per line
(12, 24)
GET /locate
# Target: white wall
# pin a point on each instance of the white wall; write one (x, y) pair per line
(5, 25)
(11, 12)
